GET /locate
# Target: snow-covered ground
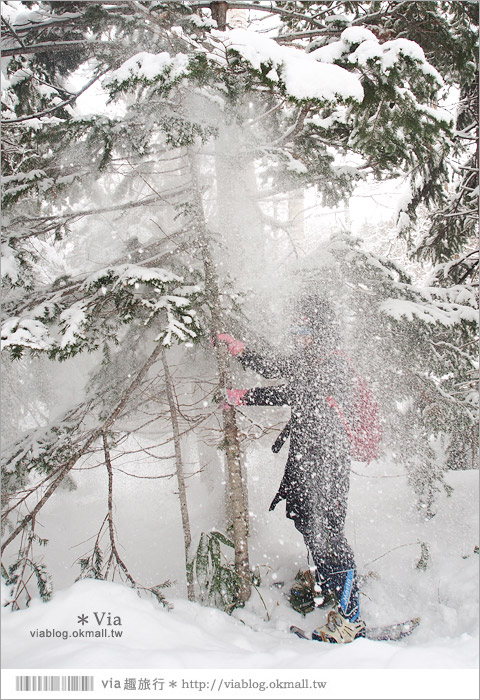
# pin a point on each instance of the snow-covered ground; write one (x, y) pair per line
(254, 643)
(194, 637)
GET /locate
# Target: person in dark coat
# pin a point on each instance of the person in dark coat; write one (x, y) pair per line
(316, 481)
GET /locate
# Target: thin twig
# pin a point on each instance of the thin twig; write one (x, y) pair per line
(408, 544)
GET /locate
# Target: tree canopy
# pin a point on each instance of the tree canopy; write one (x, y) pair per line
(143, 221)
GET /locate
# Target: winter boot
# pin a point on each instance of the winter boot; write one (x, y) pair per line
(302, 593)
(339, 629)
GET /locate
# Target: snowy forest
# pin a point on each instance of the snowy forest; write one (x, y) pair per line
(176, 170)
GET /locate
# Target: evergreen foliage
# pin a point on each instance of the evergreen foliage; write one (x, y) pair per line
(19, 574)
(120, 189)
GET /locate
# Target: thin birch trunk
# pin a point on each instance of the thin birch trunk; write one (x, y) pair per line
(235, 479)
(115, 558)
(182, 491)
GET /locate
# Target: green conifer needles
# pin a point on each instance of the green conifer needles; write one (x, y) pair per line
(81, 316)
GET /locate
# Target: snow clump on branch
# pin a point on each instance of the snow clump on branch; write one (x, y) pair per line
(303, 76)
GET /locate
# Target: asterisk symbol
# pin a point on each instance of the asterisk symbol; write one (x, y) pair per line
(173, 684)
(82, 619)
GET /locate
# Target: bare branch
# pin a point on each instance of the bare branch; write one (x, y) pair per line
(270, 8)
(43, 113)
(51, 47)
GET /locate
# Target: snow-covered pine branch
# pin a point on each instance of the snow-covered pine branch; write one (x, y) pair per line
(84, 316)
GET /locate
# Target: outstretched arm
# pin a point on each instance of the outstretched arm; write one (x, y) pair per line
(269, 396)
(261, 396)
(268, 365)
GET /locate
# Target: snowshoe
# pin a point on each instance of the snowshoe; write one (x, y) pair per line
(339, 629)
(391, 633)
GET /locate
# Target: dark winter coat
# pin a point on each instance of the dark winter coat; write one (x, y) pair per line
(316, 481)
(317, 470)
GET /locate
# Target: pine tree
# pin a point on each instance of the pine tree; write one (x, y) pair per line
(138, 188)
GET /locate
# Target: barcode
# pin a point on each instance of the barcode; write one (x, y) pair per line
(52, 683)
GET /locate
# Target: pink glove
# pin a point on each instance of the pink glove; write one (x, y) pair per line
(234, 346)
(235, 398)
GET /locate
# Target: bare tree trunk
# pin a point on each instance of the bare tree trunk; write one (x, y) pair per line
(296, 207)
(114, 559)
(219, 14)
(182, 491)
(230, 430)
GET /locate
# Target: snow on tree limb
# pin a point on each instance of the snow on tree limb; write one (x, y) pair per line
(87, 314)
